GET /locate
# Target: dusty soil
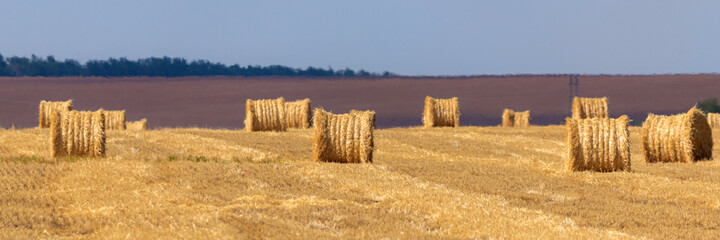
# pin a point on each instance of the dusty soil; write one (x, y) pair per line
(218, 102)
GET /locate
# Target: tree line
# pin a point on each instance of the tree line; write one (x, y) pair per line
(156, 66)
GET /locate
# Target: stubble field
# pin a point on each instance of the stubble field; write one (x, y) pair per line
(467, 182)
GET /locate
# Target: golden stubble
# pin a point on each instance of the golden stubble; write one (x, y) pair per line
(468, 182)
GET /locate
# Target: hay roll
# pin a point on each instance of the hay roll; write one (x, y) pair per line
(115, 120)
(298, 114)
(589, 108)
(344, 138)
(714, 120)
(140, 125)
(46, 109)
(511, 118)
(678, 138)
(372, 120)
(597, 144)
(76, 133)
(441, 112)
(265, 115)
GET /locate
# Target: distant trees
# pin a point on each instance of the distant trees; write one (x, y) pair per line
(4, 70)
(709, 105)
(155, 66)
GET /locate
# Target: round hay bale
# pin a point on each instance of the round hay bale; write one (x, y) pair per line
(265, 115)
(139, 125)
(508, 118)
(714, 120)
(75, 133)
(441, 112)
(98, 137)
(372, 120)
(56, 136)
(115, 120)
(298, 114)
(678, 138)
(511, 118)
(47, 108)
(344, 138)
(589, 108)
(597, 144)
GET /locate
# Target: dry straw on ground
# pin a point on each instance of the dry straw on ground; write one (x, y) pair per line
(298, 114)
(265, 115)
(597, 144)
(589, 108)
(138, 125)
(512, 118)
(438, 179)
(46, 109)
(678, 138)
(77, 133)
(441, 112)
(344, 138)
(714, 120)
(115, 120)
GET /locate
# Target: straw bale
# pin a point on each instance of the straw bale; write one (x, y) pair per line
(589, 108)
(678, 138)
(139, 125)
(46, 108)
(441, 112)
(265, 115)
(343, 138)
(597, 144)
(714, 120)
(77, 133)
(298, 114)
(115, 120)
(511, 118)
(372, 120)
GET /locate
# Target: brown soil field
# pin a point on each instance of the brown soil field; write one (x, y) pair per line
(218, 102)
(442, 183)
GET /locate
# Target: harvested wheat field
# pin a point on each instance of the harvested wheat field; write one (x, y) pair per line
(466, 182)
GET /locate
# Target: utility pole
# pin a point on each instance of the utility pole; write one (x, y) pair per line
(570, 95)
(573, 83)
(577, 83)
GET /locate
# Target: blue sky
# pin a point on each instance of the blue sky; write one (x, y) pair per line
(407, 37)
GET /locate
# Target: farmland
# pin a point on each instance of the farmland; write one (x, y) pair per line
(424, 183)
(197, 174)
(219, 102)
